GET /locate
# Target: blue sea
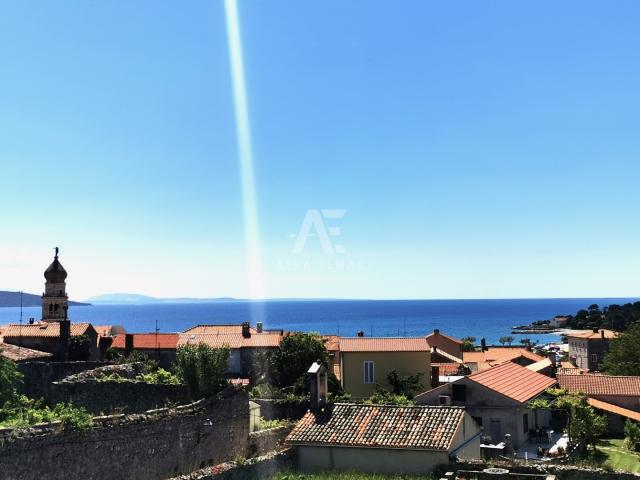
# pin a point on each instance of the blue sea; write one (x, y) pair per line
(490, 319)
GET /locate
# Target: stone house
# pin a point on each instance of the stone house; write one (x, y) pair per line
(384, 438)
(587, 349)
(497, 399)
(617, 396)
(51, 337)
(366, 361)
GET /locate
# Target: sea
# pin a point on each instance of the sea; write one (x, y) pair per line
(489, 319)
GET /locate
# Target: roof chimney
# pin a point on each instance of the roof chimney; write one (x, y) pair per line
(483, 344)
(436, 331)
(602, 334)
(595, 330)
(360, 333)
(259, 327)
(318, 385)
(246, 330)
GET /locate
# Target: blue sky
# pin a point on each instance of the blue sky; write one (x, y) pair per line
(479, 149)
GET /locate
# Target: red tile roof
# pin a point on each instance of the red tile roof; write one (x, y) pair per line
(595, 384)
(219, 329)
(513, 381)
(332, 342)
(232, 340)
(453, 339)
(447, 369)
(611, 408)
(383, 344)
(591, 335)
(147, 341)
(20, 354)
(497, 355)
(379, 426)
(43, 329)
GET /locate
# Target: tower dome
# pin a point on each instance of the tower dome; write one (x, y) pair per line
(56, 272)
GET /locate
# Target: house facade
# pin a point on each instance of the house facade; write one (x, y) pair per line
(587, 349)
(497, 400)
(384, 438)
(366, 361)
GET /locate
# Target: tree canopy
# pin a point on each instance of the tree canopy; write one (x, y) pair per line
(202, 368)
(623, 357)
(296, 354)
(614, 317)
(10, 380)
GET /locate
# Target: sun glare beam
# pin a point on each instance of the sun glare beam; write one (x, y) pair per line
(245, 154)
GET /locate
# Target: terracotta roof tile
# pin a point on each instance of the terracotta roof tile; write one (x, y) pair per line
(448, 337)
(383, 344)
(611, 408)
(497, 355)
(232, 340)
(43, 329)
(594, 384)
(19, 354)
(332, 342)
(447, 369)
(513, 381)
(379, 426)
(591, 335)
(151, 341)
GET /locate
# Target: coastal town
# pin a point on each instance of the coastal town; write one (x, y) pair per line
(242, 401)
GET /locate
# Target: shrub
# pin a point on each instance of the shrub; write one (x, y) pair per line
(79, 348)
(10, 380)
(160, 376)
(202, 368)
(23, 412)
(632, 435)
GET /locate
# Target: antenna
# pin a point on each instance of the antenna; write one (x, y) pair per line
(157, 344)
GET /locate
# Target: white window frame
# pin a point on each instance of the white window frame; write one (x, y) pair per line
(365, 369)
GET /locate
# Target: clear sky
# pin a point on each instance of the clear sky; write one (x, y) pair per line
(476, 149)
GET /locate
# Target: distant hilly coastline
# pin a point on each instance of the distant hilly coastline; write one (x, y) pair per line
(12, 299)
(136, 299)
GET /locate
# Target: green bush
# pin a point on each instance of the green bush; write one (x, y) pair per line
(632, 435)
(383, 397)
(268, 424)
(23, 412)
(10, 380)
(160, 376)
(203, 369)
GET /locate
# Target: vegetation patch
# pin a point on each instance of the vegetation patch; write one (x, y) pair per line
(331, 475)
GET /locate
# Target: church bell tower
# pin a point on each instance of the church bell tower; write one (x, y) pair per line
(54, 298)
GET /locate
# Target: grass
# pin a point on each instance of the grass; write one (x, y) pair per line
(617, 457)
(347, 476)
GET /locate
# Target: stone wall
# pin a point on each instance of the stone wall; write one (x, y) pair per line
(150, 446)
(562, 472)
(267, 440)
(38, 376)
(128, 396)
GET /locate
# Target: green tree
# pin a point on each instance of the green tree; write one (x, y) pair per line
(10, 381)
(79, 348)
(384, 397)
(632, 435)
(202, 368)
(406, 385)
(623, 357)
(294, 357)
(506, 339)
(468, 344)
(583, 423)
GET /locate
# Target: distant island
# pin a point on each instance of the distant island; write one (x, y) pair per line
(136, 299)
(12, 299)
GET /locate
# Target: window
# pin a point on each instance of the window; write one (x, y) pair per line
(459, 393)
(368, 372)
(594, 358)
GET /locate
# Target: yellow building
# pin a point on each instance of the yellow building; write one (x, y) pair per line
(366, 361)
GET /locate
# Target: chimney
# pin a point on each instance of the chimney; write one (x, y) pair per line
(128, 344)
(595, 330)
(246, 330)
(360, 333)
(483, 344)
(602, 334)
(259, 327)
(508, 445)
(553, 358)
(435, 376)
(318, 386)
(65, 337)
(436, 331)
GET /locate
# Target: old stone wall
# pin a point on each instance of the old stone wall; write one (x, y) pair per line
(128, 396)
(150, 446)
(267, 440)
(38, 376)
(562, 472)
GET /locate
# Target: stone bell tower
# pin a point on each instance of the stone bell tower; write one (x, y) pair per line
(54, 298)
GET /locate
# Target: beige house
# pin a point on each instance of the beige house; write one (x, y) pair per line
(497, 399)
(366, 361)
(384, 438)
